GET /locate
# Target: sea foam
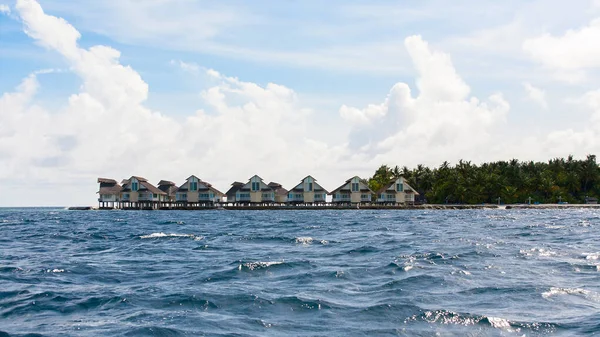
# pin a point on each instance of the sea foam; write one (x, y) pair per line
(168, 235)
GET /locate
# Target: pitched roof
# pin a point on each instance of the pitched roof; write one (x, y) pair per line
(317, 187)
(151, 188)
(110, 189)
(139, 178)
(236, 186)
(108, 186)
(169, 189)
(165, 182)
(407, 187)
(363, 181)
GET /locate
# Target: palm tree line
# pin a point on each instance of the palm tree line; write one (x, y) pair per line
(558, 180)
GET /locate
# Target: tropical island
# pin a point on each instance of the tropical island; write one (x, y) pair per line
(559, 180)
(465, 185)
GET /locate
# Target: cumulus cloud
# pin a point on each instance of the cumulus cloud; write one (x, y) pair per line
(536, 95)
(569, 54)
(105, 129)
(4, 9)
(441, 120)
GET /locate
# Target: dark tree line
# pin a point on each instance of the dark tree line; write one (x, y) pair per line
(566, 180)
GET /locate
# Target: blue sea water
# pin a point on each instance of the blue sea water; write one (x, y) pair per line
(308, 273)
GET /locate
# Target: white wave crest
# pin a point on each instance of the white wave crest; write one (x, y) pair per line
(537, 252)
(498, 323)
(305, 240)
(592, 256)
(555, 291)
(165, 235)
(55, 270)
(258, 264)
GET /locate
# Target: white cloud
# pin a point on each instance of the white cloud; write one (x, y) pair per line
(106, 129)
(575, 50)
(536, 95)
(185, 66)
(441, 120)
(4, 9)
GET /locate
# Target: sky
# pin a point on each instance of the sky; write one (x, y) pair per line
(224, 90)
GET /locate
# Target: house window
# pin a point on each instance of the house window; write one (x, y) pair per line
(365, 196)
(193, 186)
(154, 195)
(355, 187)
(204, 196)
(399, 188)
(255, 185)
(310, 187)
(134, 186)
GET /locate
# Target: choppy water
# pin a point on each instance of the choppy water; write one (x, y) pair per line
(310, 273)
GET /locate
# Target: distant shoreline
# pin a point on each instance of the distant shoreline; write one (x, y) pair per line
(369, 207)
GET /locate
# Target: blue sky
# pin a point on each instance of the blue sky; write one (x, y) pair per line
(228, 89)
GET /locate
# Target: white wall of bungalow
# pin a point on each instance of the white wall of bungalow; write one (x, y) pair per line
(355, 190)
(308, 191)
(255, 191)
(397, 192)
(137, 189)
(195, 190)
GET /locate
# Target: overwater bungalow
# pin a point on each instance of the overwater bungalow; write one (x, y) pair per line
(138, 193)
(307, 192)
(397, 192)
(255, 191)
(354, 191)
(195, 193)
(232, 192)
(281, 194)
(169, 188)
(109, 193)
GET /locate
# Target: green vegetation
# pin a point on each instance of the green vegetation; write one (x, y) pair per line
(560, 179)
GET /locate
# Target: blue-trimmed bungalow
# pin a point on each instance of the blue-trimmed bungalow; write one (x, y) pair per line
(137, 192)
(195, 192)
(354, 191)
(255, 191)
(307, 192)
(397, 192)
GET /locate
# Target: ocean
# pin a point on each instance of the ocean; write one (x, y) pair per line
(300, 273)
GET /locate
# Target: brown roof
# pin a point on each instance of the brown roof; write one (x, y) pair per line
(236, 186)
(317, 187)
(169, 189)
(108, 186)
(114, 189)
(347, 181)
(165, 182)
(407, 187)
(151, 187)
